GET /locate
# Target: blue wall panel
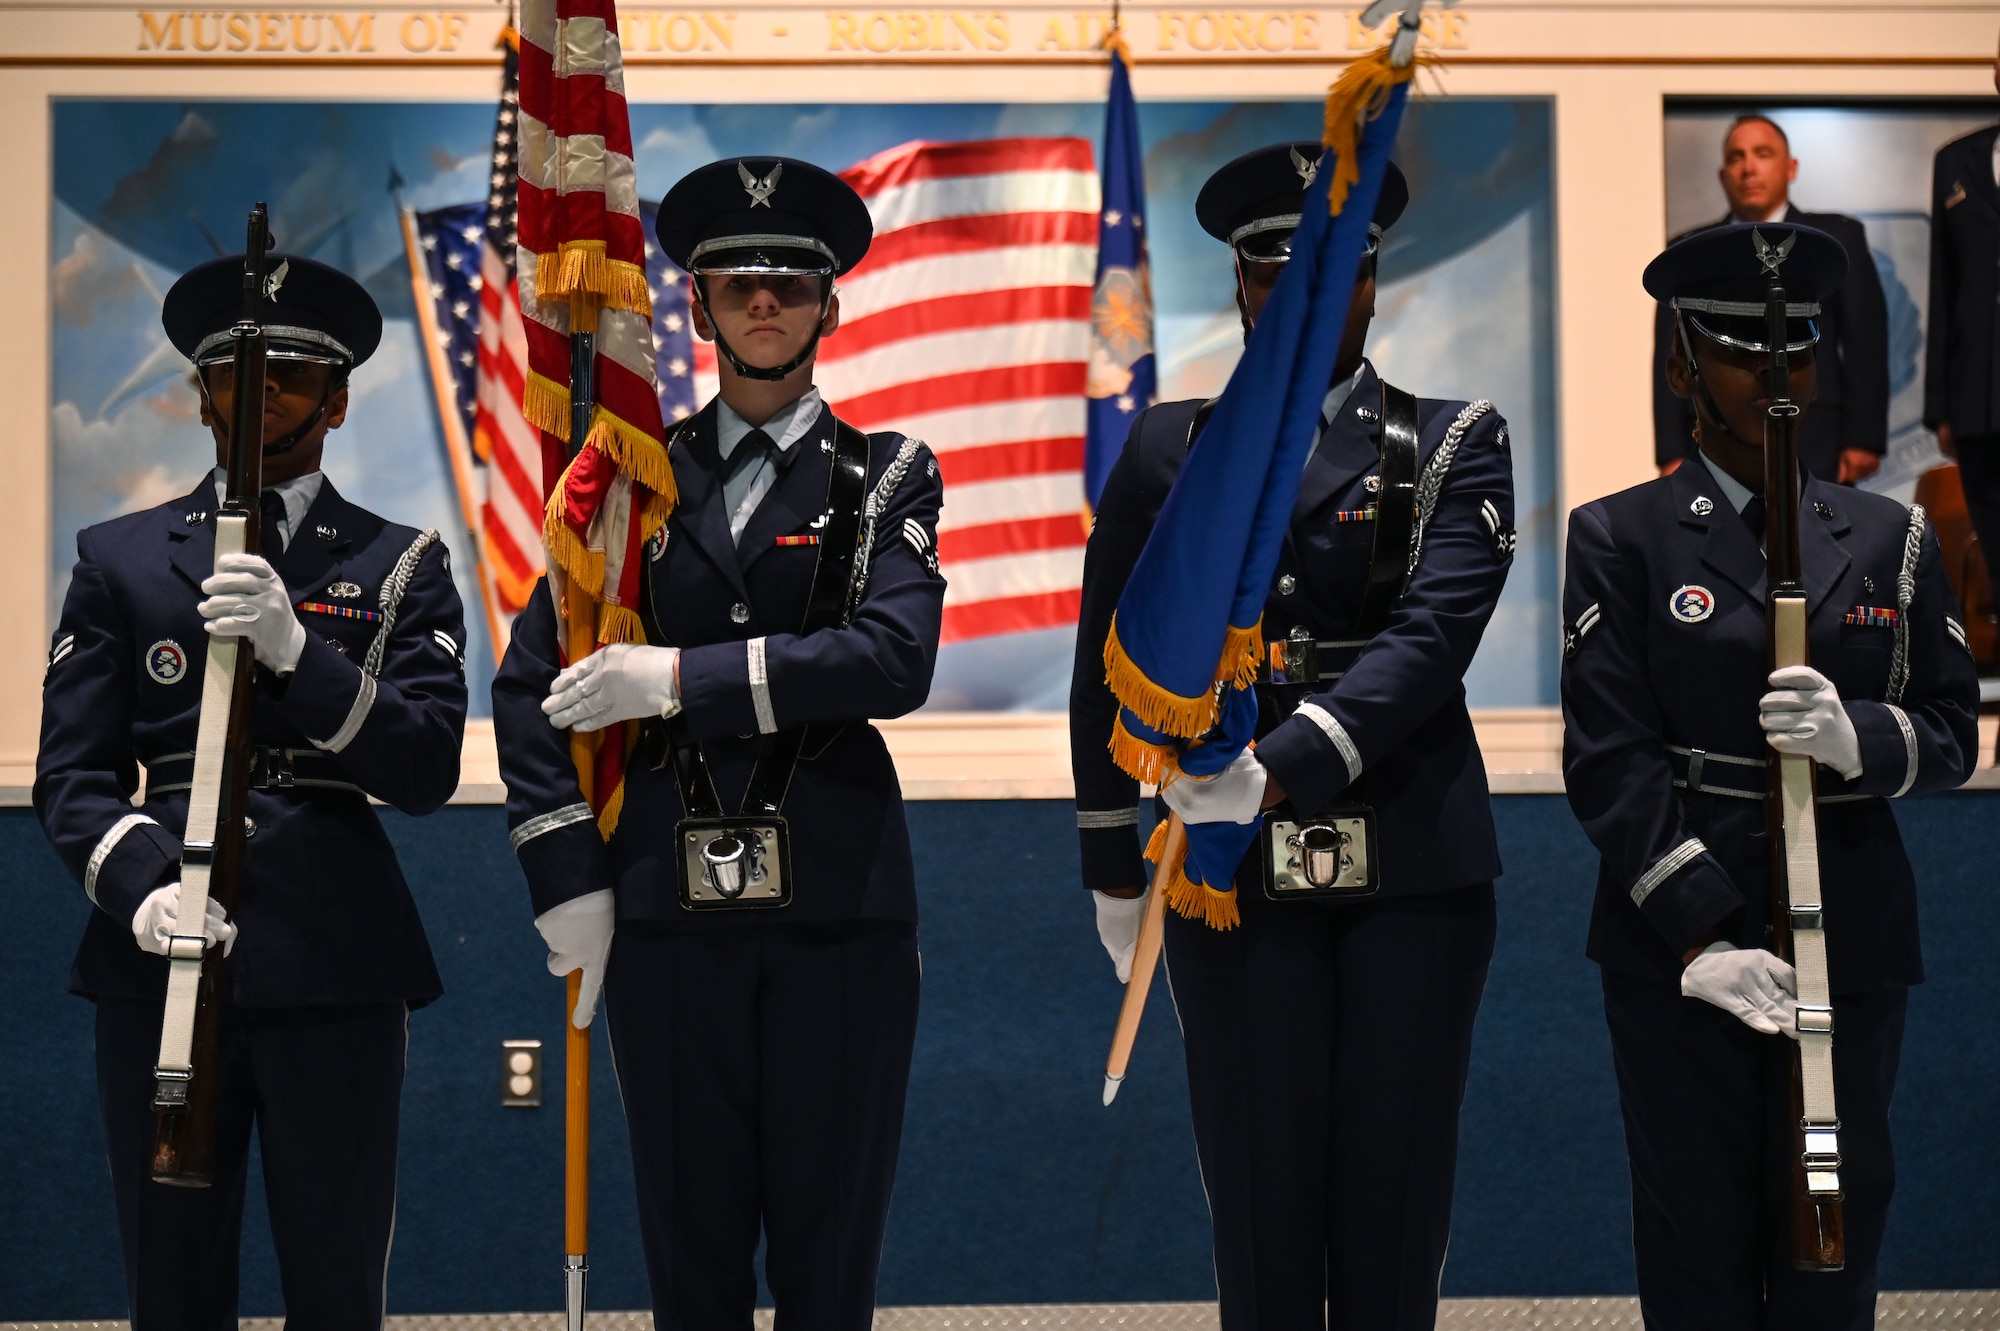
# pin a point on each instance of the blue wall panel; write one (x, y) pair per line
(1015, 1185)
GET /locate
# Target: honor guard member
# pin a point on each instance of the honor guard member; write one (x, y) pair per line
(359, 690)
(761, 996)
(1672, 713)
(1327, 1044)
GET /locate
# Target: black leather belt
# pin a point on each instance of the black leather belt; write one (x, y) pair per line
(1304, 661)
(1705, 772)
(305, 770)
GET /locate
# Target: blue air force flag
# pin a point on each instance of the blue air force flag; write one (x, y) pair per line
(1187, 639)
(1122, 382)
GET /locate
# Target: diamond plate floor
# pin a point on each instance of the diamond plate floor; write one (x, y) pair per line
(1959, 1309)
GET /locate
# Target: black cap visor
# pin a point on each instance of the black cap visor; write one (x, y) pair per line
(778, 255)
(1742, 325)
(283, 343)
(1269, 240)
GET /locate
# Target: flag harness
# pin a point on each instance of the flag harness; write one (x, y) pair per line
(744, 861)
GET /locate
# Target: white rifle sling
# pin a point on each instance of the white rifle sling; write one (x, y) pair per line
(1802, 887)
(198, 841)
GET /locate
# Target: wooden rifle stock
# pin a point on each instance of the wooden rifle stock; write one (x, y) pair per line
(1797, 925)
(214, 847)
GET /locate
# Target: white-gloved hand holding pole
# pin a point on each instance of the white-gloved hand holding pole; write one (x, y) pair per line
(578, 933)
(1750, 984)
(1118, 921)
(1803, 716)
(622, 682)
(1233, 795)
(158, 919)
(247, 599)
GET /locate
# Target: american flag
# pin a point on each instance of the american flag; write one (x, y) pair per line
(463, 260)
(968, 326)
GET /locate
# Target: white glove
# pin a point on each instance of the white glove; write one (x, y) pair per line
(578, 933)
(247, 599)
(1803, 716)
(158, 919)
(621, 682)
(1751, 985)
(1118, 921)
(1233, 795)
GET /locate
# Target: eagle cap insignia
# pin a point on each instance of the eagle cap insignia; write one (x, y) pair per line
(759, 190)
(1770, 256)
(276, 279)
(1307, 167)
(345, 591)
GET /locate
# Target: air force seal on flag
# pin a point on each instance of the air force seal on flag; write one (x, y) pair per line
(166, 661)
(1691, 604)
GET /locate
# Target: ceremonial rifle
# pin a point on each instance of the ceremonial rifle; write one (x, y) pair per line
(214, 847)
(1798, 930)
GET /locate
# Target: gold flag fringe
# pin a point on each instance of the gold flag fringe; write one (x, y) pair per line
(1242, 653)
(1191, 900)
(1355, 98)
(1114, 40)
(616, 623)
(1154, 764)
(1169, 713)
(546, 405)
(637, 453)
(582, 268)
(567, 550)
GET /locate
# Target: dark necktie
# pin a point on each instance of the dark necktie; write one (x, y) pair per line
(1753, 517)
(273, 507)
(751, 449)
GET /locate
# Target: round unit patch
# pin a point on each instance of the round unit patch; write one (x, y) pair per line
(166, 661)
(1691, 604)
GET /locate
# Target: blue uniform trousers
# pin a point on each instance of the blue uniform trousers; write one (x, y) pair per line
(1327, 1050)
(323, 1086)
(1710, 1181)
(763, 1069)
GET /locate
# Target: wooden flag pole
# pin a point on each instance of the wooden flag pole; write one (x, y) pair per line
(576, 1157)
(1145, 957)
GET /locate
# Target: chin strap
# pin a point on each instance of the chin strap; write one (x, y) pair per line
(1705, 398)
(749, 371)
(287, 442)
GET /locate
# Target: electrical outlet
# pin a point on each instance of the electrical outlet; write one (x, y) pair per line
(521, 1074)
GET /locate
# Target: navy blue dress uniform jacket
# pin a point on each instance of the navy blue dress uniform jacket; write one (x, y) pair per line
(1637, 677)
(1962, 355)
(1400, 706)
(849, 841)
(324, 914)
(1851, 406)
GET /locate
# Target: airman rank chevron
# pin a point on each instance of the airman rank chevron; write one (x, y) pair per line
(1872, 616)
(810, 538)
(340, 611)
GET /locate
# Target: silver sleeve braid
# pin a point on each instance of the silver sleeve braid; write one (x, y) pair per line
(1431, 483)
(871, 513)
(393, 587)
(1906, 592)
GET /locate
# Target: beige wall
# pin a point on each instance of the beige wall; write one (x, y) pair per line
(1609, 66)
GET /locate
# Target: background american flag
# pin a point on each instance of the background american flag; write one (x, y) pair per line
(462, 259)
(967, 326)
